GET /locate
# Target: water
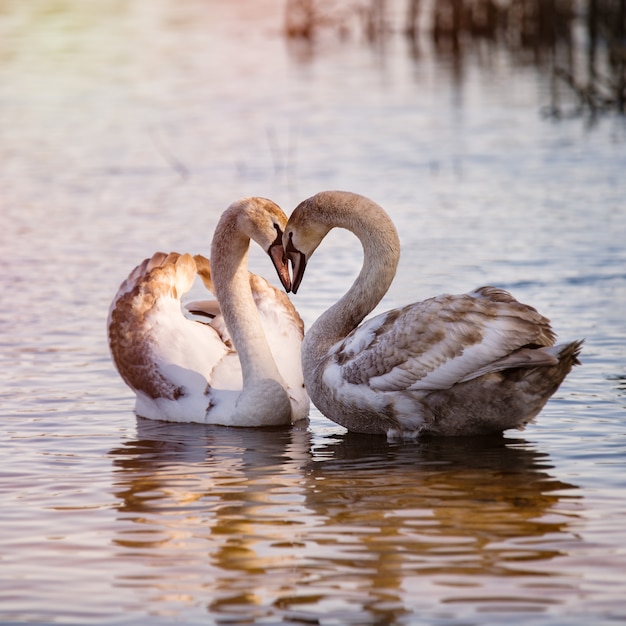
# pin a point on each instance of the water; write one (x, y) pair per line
(126, 128)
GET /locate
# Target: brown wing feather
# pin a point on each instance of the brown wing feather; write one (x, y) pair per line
(405, 345)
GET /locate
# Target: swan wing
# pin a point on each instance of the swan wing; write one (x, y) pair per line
(284, 330)
(170, 361)
(445, 340)
(206, 308)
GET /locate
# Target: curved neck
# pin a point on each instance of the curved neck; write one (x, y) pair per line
(229, 270)
(381, 253)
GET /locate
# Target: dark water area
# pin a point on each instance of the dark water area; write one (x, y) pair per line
(126, 128)
(580, 45)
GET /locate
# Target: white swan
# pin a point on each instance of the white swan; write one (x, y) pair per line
(466, 364)
(186, 371)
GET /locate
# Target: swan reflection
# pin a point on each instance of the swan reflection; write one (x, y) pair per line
(279, 522)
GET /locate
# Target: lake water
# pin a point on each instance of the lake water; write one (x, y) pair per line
(126, 128)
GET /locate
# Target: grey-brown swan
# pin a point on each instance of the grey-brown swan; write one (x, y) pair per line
(468, 364)
(241, 369)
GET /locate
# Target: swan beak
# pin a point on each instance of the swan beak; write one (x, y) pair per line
(277, 254)
(298, 263)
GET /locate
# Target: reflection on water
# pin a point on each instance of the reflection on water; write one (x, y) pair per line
(302, 529)
(580, 46)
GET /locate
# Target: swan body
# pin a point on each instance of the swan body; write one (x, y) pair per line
(468, 364)
(242, 367)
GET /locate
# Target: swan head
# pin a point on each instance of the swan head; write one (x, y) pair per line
(313, 218)
(264, 222)
(304, 231)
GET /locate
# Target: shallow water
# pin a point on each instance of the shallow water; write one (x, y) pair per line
(127, 128)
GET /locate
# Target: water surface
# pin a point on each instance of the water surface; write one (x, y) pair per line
(127, 128)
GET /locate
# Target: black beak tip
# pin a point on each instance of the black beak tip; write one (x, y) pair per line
(281, 265)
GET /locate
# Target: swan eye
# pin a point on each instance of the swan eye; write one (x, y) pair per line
(279, 237)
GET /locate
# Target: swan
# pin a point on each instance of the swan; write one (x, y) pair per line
(468, 364)
(241, 369)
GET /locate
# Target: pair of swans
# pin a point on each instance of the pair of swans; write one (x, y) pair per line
(468, 364)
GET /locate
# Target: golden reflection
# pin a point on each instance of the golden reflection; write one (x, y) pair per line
(277, 522)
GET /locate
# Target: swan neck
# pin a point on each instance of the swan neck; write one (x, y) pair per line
(381, 253)
(231, 279)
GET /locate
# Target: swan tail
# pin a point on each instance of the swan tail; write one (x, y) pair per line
(511, 398)
(546, 378)
(568, 354)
